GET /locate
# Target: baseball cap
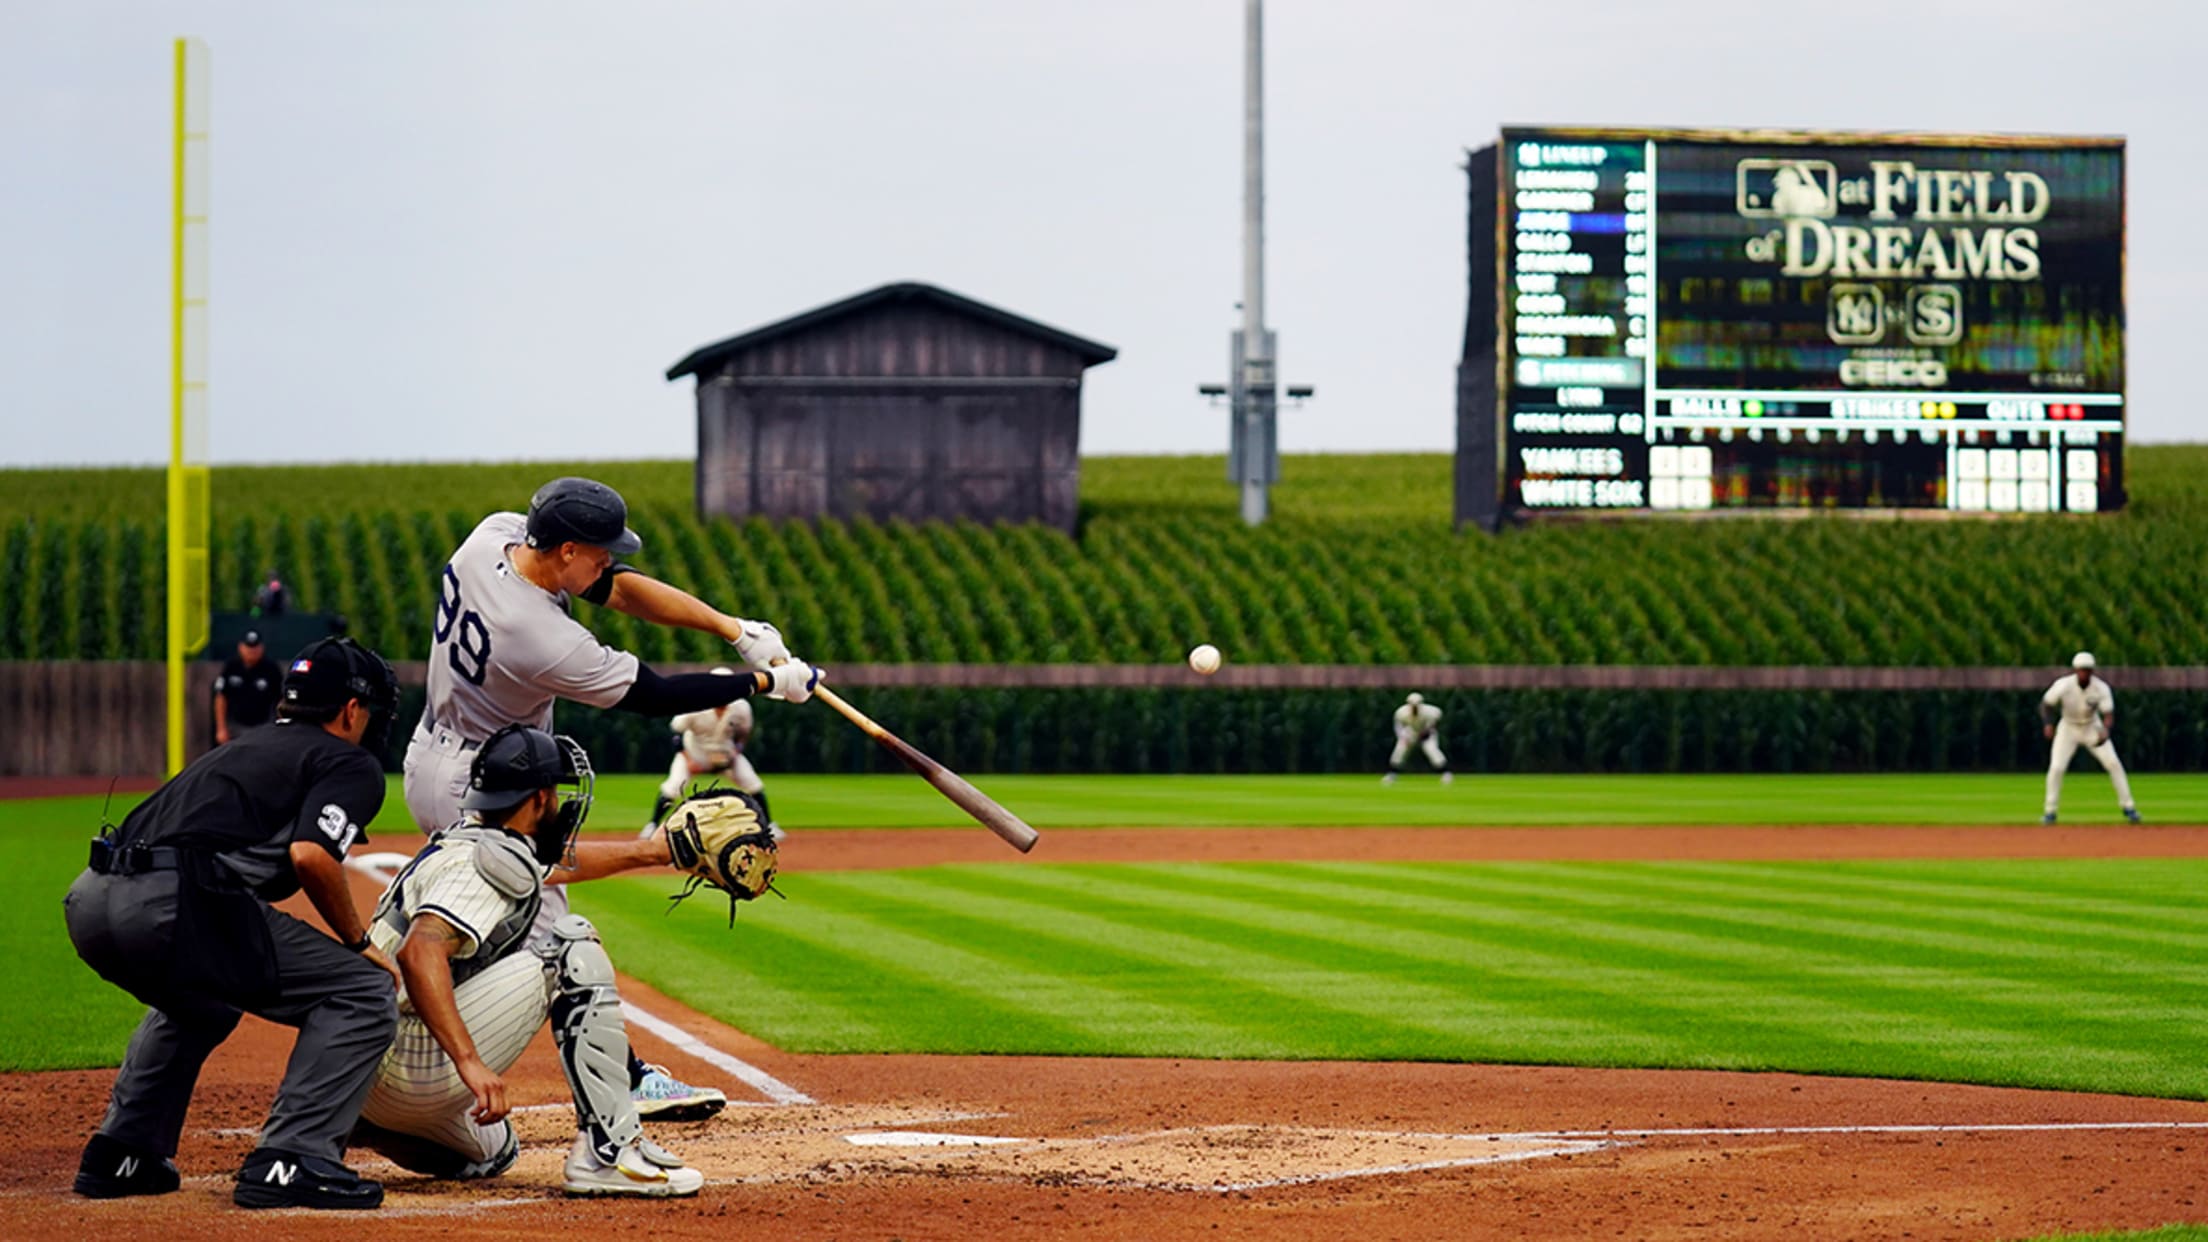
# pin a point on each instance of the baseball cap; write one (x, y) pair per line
(328, 673)
(2083, 659)
(251, 638)
(585, 511)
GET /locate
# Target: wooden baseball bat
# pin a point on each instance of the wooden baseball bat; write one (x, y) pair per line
(950, 784)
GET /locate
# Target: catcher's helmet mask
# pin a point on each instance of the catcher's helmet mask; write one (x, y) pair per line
(516, 763)
(577, 510)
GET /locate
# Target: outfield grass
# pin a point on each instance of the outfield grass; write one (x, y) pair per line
(2079, 974)
(2083, 975)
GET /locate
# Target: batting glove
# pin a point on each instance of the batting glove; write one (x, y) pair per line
(794, 680)
(760, 645)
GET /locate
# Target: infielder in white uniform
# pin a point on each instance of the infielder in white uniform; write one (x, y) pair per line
(2080, 710)
(505, 648)
(457, 922)
(1417, 723)
(712, 742)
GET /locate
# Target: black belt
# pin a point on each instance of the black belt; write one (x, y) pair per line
(139, 859)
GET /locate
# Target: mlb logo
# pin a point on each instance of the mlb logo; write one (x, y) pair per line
(301, 666)
(1779, 189)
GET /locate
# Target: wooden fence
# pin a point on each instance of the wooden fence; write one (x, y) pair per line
(105, 717)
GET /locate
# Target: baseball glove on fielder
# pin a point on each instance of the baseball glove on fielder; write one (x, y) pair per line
(721, 839)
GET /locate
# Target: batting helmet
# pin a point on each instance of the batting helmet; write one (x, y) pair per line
(573, 510)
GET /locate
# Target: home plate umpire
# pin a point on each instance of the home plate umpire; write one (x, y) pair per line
(174, 909)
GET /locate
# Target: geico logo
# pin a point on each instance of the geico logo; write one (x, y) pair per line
(1893, 373)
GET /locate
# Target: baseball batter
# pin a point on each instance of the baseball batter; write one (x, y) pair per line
(457, 922)
(505, 647)
(1417, 723)
(2080, 710)
(711, 742)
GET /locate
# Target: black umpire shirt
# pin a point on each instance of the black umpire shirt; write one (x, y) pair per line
(246, 803)
(249, 693)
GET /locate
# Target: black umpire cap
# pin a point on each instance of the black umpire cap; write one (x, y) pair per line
(328, 673)
(573, 510)
(512, 764)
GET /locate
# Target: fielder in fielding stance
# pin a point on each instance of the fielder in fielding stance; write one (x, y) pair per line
(505, 647)
(457, 922)
(2080, 710)
(1417, 724)
(711, 742)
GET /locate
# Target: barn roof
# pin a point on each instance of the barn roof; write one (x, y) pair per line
(707, 356)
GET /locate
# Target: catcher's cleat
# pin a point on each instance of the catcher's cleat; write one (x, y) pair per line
(116, 1170)
(663, 1097)
(420, 1155)
(643, 1168)
(286, 1179)
(2132, 813)
(2048, 818)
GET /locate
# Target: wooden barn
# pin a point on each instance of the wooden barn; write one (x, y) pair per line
(906, 401)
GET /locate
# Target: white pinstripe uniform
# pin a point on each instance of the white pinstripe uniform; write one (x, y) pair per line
(712, 741)
(2082, 708)
(505, 650)
(503, 989)
(1417, 724)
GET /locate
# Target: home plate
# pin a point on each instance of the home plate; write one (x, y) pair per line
(920, 1138)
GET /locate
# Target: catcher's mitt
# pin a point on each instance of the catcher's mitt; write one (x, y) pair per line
(721, 839)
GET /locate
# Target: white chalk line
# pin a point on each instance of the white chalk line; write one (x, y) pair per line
(2022, 1127)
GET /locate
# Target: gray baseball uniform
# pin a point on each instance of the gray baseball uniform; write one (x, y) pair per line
(503, 650)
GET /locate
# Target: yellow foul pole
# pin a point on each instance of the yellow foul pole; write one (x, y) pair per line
(188, 481)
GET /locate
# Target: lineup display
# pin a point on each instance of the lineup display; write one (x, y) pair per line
(1692, 321)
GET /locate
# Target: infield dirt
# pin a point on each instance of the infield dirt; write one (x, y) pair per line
(1018, 1147)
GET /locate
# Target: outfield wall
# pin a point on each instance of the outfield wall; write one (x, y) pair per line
(98, 718)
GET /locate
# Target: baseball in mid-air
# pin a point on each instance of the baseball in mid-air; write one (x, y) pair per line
(1204, 659)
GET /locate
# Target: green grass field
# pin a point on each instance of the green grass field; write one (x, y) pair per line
(2072, 974)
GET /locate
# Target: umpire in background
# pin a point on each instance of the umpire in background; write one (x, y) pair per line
(246, 688)
(174, 909)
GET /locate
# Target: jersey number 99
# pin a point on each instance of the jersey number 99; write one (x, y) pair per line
(467, 641)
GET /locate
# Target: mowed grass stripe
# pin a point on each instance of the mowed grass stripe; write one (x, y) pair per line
(1729, 980)
(1300, 1005)
(1894, 931)
(2156, 895)
(846, 963)
(1875, 963)
(1586, 986)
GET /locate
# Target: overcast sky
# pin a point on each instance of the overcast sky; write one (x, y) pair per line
(484, 230)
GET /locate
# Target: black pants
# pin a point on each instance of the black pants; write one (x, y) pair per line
(128, 929)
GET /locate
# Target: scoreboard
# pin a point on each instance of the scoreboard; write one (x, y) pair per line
(1694, 321)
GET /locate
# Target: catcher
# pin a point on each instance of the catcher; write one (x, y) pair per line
(457, 922)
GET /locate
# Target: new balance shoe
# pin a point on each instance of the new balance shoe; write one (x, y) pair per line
(2132, 813)
(663, 1097)
(283, 1179)
(115, 1170)
(644, 1168)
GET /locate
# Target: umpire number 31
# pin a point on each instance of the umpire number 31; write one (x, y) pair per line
(470, 651)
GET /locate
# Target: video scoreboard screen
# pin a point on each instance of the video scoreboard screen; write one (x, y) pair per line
(1696, 321)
